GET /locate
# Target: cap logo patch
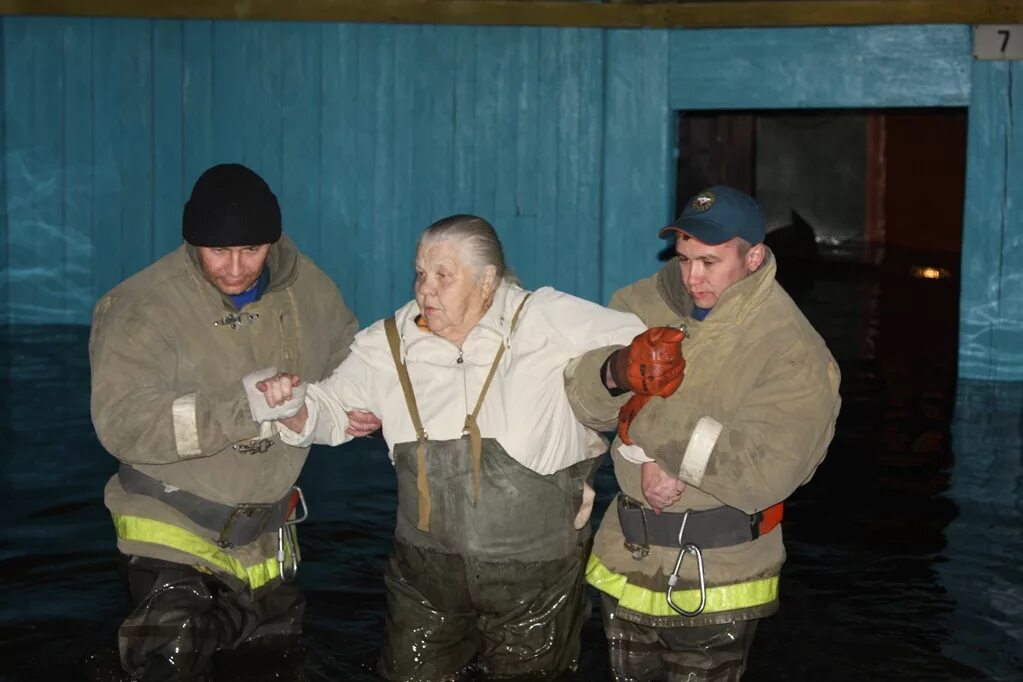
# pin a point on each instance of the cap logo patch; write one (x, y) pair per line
(703, 201)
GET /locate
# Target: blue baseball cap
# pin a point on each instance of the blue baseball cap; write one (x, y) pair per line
(718, 214)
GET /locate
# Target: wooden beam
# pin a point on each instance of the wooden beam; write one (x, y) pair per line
(697, 14)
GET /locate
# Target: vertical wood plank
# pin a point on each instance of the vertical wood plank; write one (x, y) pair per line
(34, 71)
(1007, 338)
(131, 59)
(585, 265)
(407, 216)
(435, 127)
(197, 99)
(77, 200)
(638, 173)
(106, 177)
(465, 170)
(544, 257)
(984, 220)
(339, 166)
(502, 86)
(299, 100)
(5, 271)
(263, 124)
(521, 221)
(170, 187)
(374, 151)
(569, 92)
(229, 83)
(488, 83)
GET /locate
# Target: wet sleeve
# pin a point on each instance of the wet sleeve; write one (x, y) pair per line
(759, 454)
(138, 413)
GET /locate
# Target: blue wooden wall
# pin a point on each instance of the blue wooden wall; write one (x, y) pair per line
(564, 138)
(367, 133)
(991, 304)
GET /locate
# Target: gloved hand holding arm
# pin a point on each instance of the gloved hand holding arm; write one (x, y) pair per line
(651, 365)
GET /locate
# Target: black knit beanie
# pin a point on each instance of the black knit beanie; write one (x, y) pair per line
(231, 206)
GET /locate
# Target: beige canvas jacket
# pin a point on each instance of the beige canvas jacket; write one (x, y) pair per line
(168, 352)
(750, 423)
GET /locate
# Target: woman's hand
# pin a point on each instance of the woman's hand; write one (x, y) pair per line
(362, 423)
(660, 488)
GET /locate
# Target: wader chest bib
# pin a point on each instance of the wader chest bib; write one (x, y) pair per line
(468, 496)
(484, 547)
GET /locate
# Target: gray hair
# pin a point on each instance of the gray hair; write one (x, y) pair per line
(475, 236)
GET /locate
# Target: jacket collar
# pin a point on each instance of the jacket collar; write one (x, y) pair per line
(282, 260)
(736, 304)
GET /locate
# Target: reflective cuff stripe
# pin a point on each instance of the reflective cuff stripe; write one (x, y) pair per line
(649, 602)
(186, 427)
(701, 444)
(138, 529)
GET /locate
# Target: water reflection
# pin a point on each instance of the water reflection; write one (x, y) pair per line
(903, 550)
(986, 538)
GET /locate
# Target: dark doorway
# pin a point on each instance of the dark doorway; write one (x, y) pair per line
(871, 193)
(865, 212)
(875, 182)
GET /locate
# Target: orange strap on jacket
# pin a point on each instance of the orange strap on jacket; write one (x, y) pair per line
(770, 518)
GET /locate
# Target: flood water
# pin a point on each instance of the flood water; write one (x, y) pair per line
(904, 550)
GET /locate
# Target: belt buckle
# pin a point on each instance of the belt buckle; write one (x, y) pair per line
(247, 510)
(638, 551)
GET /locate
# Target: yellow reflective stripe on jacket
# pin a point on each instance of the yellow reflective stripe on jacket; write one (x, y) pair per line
(140, 529)
(652, 603)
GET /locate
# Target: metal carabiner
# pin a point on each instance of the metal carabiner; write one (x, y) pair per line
(688, 548)
(289, 528)
(287, 575)
(305, 508)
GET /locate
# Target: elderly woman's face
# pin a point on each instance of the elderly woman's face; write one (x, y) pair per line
(450, 298)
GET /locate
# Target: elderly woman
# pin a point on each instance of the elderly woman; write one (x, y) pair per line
(493, 502)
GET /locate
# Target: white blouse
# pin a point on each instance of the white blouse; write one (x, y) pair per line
(526, 409)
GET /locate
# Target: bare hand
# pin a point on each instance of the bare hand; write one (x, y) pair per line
(660, 488)
(362, 423)
(277, 390)
(297, 421)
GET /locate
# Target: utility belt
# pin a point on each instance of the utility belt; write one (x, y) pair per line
(236, 525)
(708, 529)
(691, 532)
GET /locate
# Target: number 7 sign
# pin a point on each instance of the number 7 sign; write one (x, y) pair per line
(998, 41)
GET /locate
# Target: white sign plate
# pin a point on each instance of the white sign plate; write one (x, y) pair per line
(994, 41)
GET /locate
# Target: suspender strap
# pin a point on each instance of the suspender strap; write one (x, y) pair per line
(391, 328)
(471, 427)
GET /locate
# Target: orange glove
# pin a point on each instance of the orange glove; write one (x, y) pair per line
(628, 413)
(652, 364)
